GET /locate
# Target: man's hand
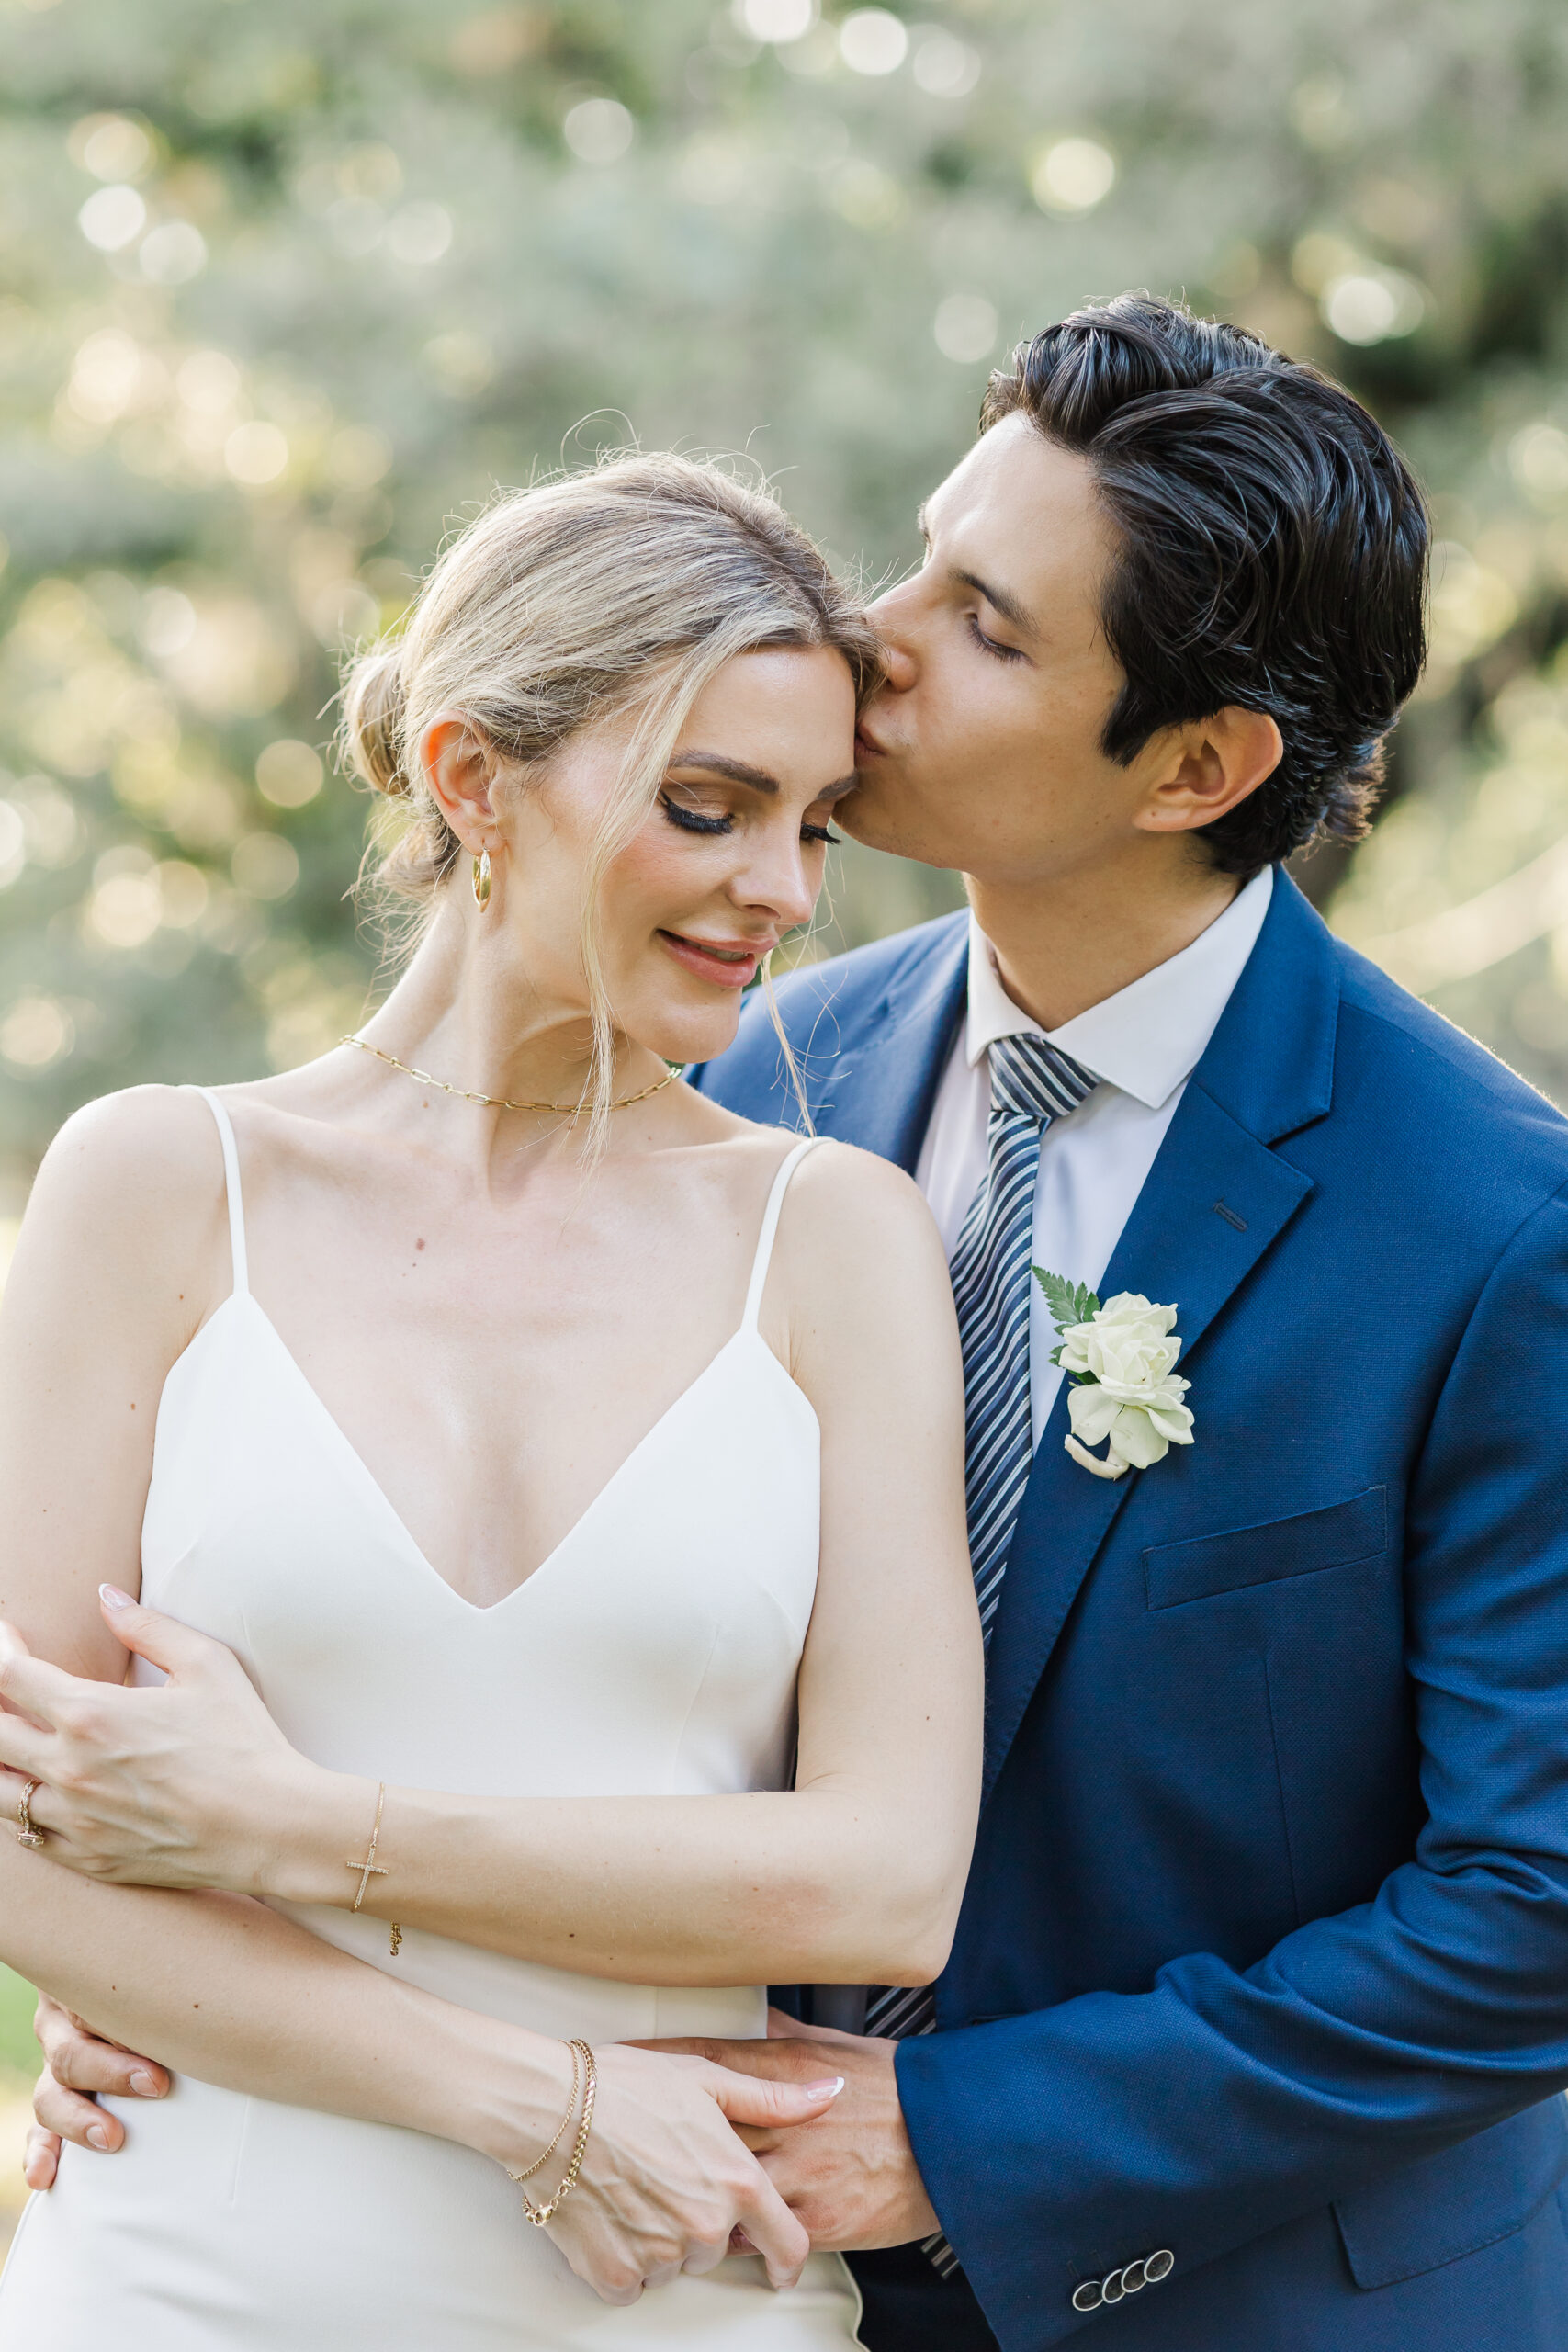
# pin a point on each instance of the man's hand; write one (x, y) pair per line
(850, 2176)
(78, 2065)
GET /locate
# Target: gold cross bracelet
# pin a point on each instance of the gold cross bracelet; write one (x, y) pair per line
(370, 1868)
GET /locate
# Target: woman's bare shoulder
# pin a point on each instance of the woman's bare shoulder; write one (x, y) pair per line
(134, 1182)
(841, 1189)
(858, 1241)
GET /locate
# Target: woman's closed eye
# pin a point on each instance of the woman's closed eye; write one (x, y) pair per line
(692, 820)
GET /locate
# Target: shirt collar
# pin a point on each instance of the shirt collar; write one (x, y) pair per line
(1148, 1037)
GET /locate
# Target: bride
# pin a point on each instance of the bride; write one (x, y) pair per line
(545, 1494)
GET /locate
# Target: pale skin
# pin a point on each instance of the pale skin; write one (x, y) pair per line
(981, 754)
(422, 1258)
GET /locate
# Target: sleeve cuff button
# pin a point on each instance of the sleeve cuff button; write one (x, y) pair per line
(1095, 2293)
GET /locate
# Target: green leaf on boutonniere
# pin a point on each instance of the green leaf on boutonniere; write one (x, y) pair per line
(1070, 1303)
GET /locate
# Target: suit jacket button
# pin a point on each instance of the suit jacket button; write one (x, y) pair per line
(1087, 2297)
(1112, 2289)
(1158, 2266)
(1133, 2277)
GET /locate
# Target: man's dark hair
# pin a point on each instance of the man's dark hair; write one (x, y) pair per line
(1271, 552)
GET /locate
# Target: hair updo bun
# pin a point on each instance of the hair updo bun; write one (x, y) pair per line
(373, 711)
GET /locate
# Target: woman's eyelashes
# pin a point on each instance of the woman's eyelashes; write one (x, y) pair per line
(692, 820)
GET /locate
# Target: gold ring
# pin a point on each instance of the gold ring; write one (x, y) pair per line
(29, 1833)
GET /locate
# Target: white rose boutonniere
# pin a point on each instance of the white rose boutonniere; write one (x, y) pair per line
(1121, 1359)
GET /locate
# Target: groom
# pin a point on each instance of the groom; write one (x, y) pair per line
(1252, 2035)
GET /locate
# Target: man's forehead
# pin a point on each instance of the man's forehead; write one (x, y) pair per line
(1014, 471)
(1019, 499)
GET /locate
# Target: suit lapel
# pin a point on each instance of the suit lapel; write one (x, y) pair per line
(1268, 1072)
(876, 1089)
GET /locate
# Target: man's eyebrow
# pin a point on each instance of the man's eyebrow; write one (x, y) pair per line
(1009, 607)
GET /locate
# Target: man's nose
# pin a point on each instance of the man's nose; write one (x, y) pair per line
(891, 621)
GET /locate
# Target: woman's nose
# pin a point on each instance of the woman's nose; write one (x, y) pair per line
(777, 880)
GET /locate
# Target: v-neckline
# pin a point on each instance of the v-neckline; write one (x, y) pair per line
(390, 1510)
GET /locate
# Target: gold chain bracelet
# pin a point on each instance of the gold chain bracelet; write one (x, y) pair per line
(370, 1868)
(588, 2077)
(561, 2127)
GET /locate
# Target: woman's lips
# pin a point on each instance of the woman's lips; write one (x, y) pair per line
(729, 964)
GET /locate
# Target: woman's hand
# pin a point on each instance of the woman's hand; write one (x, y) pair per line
(666, 2181)
(189, 1784)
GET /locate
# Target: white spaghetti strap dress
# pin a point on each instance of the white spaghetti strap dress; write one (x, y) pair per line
(652, 1653)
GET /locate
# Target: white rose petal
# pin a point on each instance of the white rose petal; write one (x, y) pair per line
(1091, 1412)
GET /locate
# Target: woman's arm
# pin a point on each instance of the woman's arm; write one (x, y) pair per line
(855, 1875)
(123, 1250)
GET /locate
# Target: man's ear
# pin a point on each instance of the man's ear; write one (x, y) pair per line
(461, 768)
(1203, 770)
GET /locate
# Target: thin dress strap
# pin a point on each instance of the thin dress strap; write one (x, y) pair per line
(236, 1199)
(770, 1227)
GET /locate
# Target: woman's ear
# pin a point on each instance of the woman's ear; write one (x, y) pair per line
(1207, 768)
(461, 768)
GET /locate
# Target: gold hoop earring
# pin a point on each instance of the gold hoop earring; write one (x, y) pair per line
(481, 880)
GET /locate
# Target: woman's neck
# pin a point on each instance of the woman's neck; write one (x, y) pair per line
(467, 1011)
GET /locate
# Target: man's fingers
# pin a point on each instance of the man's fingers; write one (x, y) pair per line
(775, 2234)
(40, 2159)
(79, 2062)
(782, 2027)
(753, 2098)
(76, 2119)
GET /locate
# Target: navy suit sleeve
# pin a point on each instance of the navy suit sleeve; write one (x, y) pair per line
(1221, 2103)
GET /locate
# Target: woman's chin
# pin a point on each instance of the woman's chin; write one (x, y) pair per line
(692, 1034)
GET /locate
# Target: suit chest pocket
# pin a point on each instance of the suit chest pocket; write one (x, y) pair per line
(1240, 1557)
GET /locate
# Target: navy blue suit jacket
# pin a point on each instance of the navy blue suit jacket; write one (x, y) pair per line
(1264, 1957)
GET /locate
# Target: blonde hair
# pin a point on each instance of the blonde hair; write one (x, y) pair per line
(619, 592)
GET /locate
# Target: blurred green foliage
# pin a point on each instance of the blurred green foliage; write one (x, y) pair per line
(19, 2058)
(285, 290)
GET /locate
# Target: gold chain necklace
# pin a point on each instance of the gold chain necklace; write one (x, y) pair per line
(501, 1101)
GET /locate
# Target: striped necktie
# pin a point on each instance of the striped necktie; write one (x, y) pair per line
(1032, 1085)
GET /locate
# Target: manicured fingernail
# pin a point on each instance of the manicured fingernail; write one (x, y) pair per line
(828, 2087)
(142, 2083)
(112, 1597)
(97, 2137)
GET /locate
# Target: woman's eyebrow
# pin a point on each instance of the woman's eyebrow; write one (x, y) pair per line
(717, 763)
(755, 779)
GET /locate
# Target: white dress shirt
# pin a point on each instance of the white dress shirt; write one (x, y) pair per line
(1142, 1045)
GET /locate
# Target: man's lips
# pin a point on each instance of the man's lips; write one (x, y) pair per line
(730, 963)
(866, 745)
